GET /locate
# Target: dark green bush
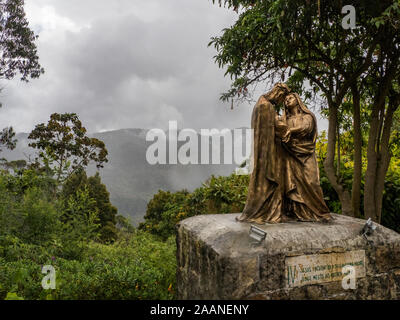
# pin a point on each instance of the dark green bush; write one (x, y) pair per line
(138, 268)
(41, 227)
(217, 195)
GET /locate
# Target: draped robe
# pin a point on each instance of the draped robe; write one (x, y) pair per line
(265, 192)
(284, 183)
(303, 194)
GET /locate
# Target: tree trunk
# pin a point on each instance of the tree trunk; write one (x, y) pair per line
(370, 174)
(338, 150)
(378, 151)
(384, 159)
(329, 167)
(356, 187)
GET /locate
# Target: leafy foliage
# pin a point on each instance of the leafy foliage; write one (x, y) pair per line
(7, 138)
(37, 229)
(25, 211)
(217, 195)
(64, 141)
(78, 184)
(391, 196)
(138, 268)
(17, 43)
(275, 37)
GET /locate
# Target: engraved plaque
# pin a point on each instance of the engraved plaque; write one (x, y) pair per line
(319, 268)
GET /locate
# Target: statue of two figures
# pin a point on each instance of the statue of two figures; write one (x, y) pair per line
(284, 182)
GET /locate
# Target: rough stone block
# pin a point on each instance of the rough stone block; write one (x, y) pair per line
(298, 260)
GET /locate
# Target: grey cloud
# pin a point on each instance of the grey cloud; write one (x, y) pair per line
(130, 65)
(124, 64)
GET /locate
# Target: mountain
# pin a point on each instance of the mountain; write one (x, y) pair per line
(129, 178)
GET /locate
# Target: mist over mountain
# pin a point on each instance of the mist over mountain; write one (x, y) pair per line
(129, 178)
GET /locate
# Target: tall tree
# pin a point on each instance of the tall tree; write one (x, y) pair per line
(17, 43)
(18, 52)
(64, 141)
(306, 41)
(101, 201)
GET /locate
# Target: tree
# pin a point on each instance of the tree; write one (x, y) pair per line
(305, 41)
(101, 203)
(123, 224)
(18, 52)
(65, 143)
(7, 139)
(17, 43)
(80, 216)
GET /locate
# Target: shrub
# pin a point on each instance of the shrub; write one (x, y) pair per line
(217, 195)
(138, 268)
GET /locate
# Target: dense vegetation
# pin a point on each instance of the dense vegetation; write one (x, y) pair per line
(217, 195)
(71, 225)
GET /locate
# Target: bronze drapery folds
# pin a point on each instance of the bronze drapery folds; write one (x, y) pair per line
(284, 183)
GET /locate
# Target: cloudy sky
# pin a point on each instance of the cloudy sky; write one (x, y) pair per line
(125, 64)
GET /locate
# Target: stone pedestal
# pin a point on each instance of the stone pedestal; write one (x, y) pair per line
(299, 260)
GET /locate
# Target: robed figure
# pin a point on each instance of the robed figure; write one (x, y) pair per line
(284, 182)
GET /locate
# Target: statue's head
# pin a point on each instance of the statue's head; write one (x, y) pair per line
(278, 93)
(292, 102)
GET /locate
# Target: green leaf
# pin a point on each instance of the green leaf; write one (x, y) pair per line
(13, 296)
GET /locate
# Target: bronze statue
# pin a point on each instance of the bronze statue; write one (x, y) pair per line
(284, 183)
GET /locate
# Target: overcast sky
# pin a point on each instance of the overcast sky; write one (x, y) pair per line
(125, 64)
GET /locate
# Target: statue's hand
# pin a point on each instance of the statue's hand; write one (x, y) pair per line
(281, 129)
(286, 137)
